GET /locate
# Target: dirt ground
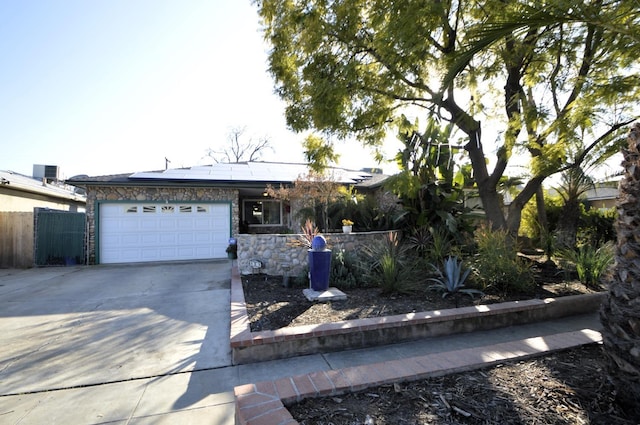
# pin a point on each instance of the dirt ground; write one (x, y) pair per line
(271, 306)
(569, 387)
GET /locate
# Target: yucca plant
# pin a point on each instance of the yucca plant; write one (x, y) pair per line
(451, 279)
(386, 264)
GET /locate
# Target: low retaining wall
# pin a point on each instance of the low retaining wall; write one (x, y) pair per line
(276, 250)
(249, 347)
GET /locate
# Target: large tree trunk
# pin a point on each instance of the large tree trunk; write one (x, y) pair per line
(620, 313)
(492, 202)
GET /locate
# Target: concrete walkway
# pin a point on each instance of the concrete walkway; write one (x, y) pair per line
(150, 344)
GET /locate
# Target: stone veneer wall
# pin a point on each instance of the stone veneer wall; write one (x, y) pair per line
(96, 194)
(276, 249)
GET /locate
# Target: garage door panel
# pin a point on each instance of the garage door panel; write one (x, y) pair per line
(203, 237)
(148, 239)
(167, 238)
(130, 240)
(148, 223)
(162, 232)
(168, 224)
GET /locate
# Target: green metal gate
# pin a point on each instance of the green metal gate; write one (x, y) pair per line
(59, 237)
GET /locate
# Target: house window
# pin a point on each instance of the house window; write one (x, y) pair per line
(262, 212)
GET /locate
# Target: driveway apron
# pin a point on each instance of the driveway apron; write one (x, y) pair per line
(87, 325)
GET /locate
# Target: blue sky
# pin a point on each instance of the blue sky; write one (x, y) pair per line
(113, 86)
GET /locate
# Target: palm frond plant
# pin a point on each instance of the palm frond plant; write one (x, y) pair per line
(451, 279)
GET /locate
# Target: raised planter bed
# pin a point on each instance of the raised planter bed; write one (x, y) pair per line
(249, 347)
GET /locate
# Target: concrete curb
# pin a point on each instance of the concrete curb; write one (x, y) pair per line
(264, 402)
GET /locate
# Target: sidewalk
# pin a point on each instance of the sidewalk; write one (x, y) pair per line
(263, 402)
(207, 396)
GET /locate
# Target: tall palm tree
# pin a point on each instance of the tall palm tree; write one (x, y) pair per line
(620, 313)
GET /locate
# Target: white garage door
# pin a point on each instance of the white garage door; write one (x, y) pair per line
(140, 232)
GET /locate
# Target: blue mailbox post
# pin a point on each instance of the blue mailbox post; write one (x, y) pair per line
(319, 264)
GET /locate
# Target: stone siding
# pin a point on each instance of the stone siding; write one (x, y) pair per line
(277, 249)
(98, 194)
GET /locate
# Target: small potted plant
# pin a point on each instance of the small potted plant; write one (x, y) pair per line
(347, 225)
(232, 251)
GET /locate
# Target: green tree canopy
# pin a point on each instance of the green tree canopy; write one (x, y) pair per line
(544, 78)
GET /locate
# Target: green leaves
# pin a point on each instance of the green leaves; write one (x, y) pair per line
(319, 153)
(451, 279)
(545, 77)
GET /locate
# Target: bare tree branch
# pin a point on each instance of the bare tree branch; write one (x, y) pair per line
(240, 149)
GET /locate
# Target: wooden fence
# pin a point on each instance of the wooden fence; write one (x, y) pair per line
(16, 239)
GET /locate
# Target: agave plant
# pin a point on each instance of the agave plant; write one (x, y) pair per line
(451, 279)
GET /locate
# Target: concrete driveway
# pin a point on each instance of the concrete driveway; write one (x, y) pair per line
(77, 327)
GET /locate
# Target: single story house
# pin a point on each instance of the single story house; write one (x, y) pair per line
(190, 213)
(21, 198)
(20, 193)
(602, 195)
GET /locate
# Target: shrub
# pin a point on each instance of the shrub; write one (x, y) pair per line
(497, 265)
(344, 269)
(590, 262)
(529, 224)
(442, 244)
(432, 243)
(596, 226)
(386, 264)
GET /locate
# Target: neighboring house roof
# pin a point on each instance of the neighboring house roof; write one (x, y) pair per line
(22, 183)
(236, 173)
(602, 191)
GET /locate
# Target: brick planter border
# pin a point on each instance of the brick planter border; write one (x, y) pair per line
(249, 347)
(264, 403)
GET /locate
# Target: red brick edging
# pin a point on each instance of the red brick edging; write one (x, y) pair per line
(264, 403)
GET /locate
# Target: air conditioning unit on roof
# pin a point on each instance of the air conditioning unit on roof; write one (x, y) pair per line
(48, 172)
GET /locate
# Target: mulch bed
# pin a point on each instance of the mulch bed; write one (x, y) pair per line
(569, 387)
(271, 306)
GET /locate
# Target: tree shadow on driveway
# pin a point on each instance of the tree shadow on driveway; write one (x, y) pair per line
(82, 326)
